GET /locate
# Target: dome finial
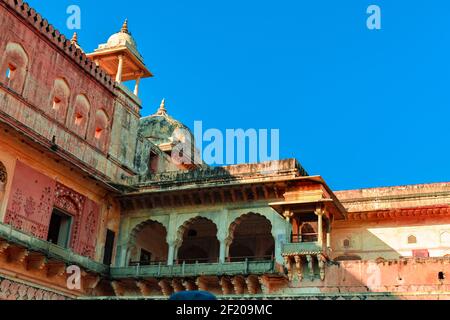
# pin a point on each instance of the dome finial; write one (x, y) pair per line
(74, 39)
(162, 108)
(125, 27)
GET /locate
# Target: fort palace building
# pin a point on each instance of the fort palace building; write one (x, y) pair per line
(86, 181)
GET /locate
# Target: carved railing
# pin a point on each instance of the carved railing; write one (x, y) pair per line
(197, 269)
(228, 173)
(50, 250)
(301, 248)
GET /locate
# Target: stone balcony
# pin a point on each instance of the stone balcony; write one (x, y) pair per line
(10, 237)
(197, 269)
(302, 248)
(245, 277)
(300, 258)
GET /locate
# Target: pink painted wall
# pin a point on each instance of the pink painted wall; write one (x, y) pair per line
(32, 199)
(46, 64)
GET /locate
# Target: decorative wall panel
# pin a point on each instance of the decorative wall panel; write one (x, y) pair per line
(11, 290)
(33, 197)
(31, 201)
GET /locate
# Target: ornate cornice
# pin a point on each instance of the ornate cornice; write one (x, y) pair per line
(428, 211)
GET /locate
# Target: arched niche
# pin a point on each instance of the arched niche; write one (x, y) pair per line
(197, 241)
(14, 67)
(99, 134)
(250, 238)
(148, 243)
(59, 100)
(79, 116)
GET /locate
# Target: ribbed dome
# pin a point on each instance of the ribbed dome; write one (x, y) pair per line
(161, 128)
(122, 38)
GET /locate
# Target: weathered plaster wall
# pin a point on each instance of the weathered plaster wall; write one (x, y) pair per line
(403, 275)
(388, 239)
(43, 72)
(23, 163)
(381, 220)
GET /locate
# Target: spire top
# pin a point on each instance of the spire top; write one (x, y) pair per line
(125, 27)
(162, 108)
(74, 39)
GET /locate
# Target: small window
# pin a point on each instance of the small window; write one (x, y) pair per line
(192, 233)
(10, 71)
(153, 162)
(145, 258)
(421, 253)
(56, 103)
(346, 243)
(441, 276)
(59, 229)
(98, 133)
(412, 239)
(109, 247)
(78, 119)
(126, 120)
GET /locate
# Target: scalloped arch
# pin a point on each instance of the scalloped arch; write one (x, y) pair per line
(240, 219)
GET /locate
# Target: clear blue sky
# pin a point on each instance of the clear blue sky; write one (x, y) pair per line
(361, 108)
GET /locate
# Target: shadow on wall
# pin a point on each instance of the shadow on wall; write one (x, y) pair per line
(382, 257)
(408, 275)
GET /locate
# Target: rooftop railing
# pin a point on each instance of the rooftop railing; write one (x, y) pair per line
(207, 174)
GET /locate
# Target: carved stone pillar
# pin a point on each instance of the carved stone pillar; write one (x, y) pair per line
(288, 263)
(309, 258)
(171, 253)
(222, 250)
(321, 261)
(329, 222)
(136, 86)
(319, 213)
(299, 267)
(119, 69)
